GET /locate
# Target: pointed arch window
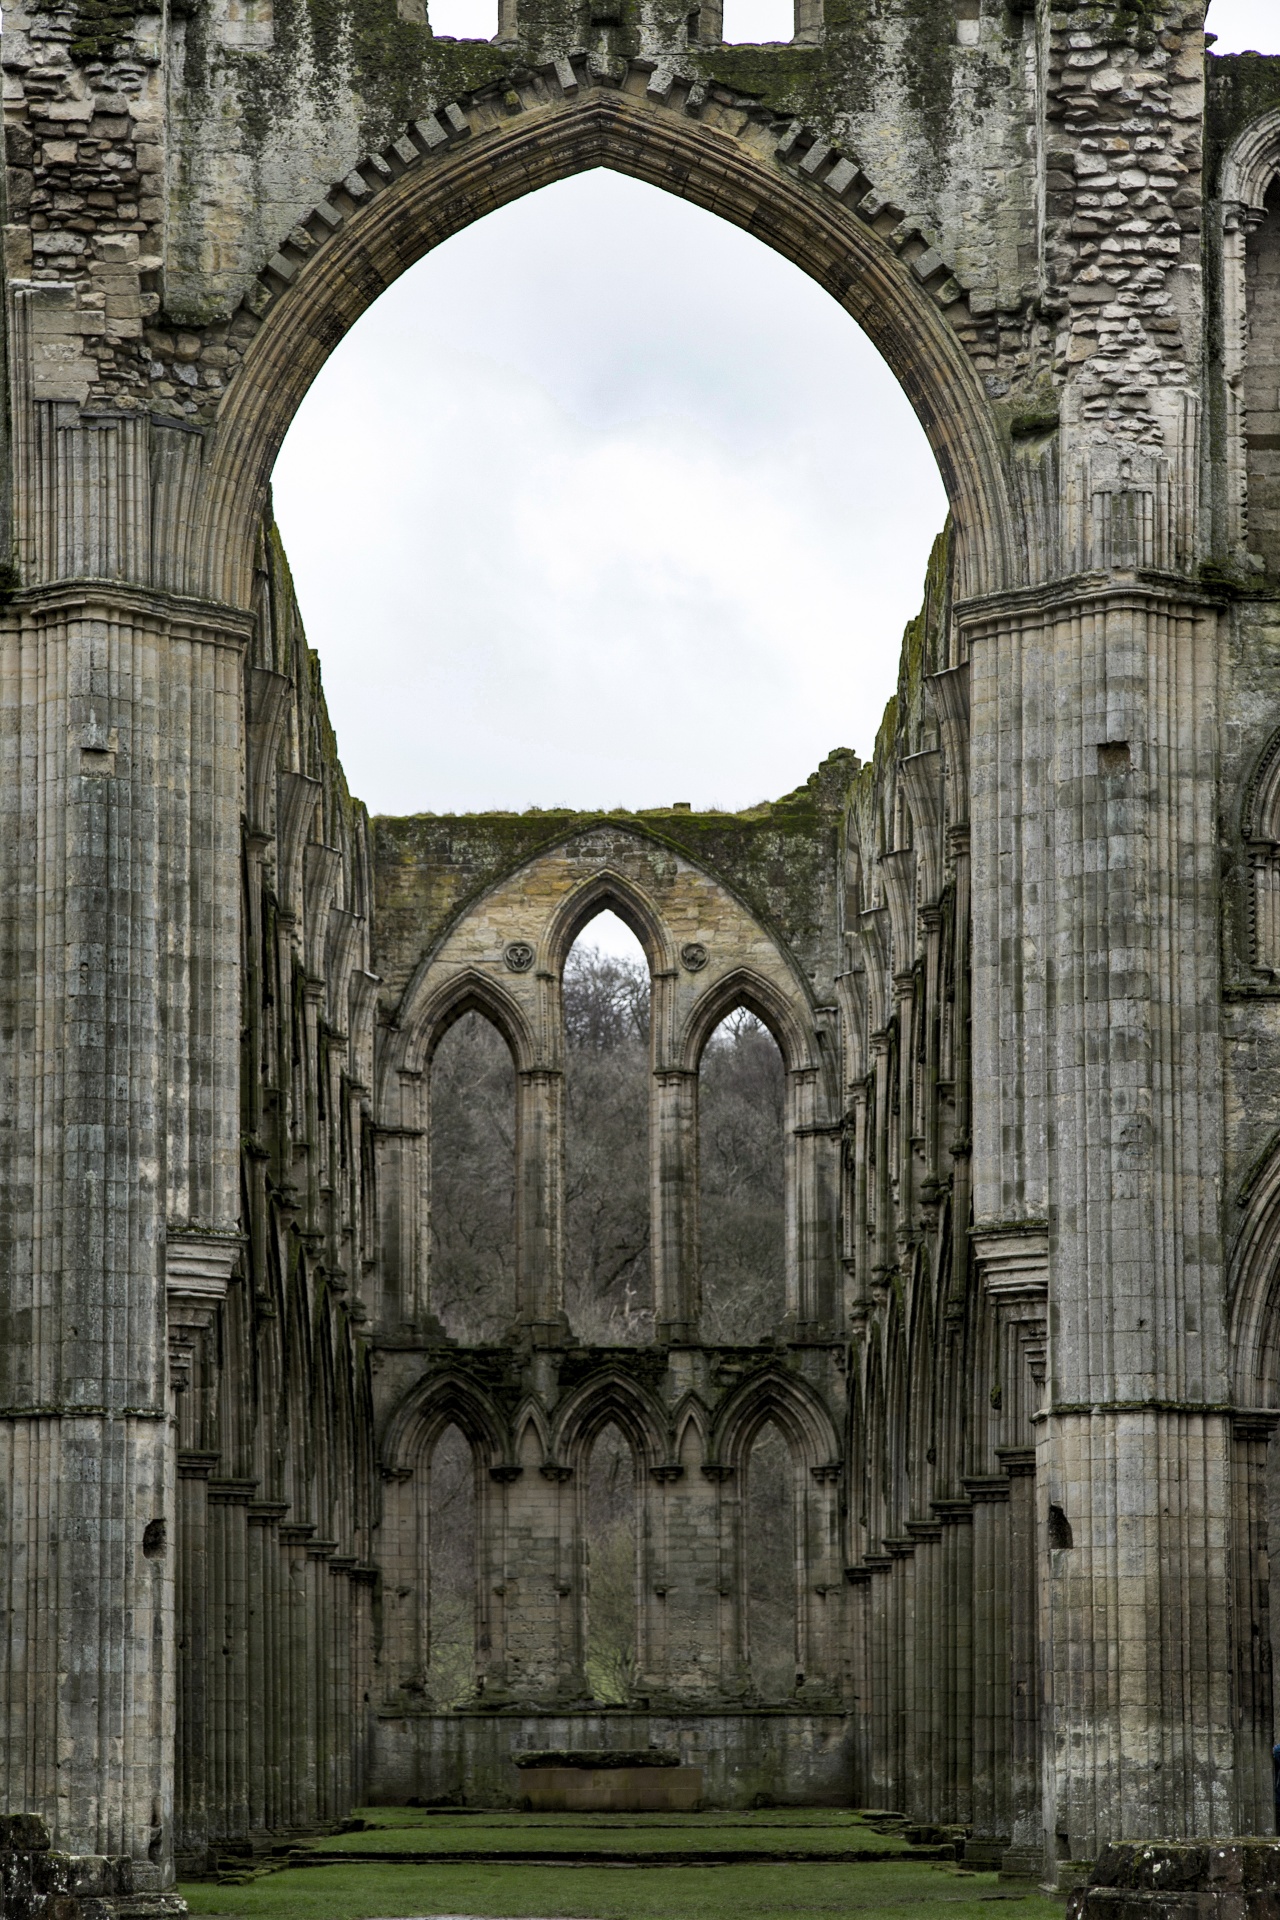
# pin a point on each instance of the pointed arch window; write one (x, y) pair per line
(1250, 199)
(472, 1257)
(612, 1558)
(1262, 381)
(1261, 828)
(741, 1181)
(450, 1570)
(608, 1278)
(769, 1565)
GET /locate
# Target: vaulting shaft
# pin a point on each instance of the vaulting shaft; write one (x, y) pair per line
(120, 720)
(1096, 967)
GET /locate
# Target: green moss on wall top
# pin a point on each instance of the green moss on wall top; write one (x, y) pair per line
(779, 858)
(326, 50)
(99, 25)
(1241, 87)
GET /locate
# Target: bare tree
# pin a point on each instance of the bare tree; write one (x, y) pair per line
(741, 1095)
(473, 1232)
(608, 1283)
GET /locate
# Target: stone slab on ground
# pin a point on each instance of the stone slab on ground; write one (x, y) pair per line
(610, 1789)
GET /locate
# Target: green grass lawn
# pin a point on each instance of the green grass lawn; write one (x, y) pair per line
(402, 1819)
(378, 1892)
(373, 1890)
(610, 1833)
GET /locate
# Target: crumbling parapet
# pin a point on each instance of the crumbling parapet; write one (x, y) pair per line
(37, 1883)
(1237, 1879)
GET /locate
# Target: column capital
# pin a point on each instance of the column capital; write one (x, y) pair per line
(1013, 1260)
(210, 620)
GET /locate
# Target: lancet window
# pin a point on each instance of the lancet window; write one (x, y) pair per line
(450, 1571)
(610, 1538)
(769, 1553)
(1262, 381)
(1251, 374)
(608, 1277)
(741, 1181)
(472, 1193)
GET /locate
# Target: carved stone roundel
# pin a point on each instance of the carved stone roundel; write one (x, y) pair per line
(518, 956)
(694, 956)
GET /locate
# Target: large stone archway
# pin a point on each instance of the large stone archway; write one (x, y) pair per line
(742, 165)
(1034, 1001)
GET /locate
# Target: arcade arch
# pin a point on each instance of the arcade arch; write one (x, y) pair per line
(1254, 1294)
(675, 394)
(432, 184)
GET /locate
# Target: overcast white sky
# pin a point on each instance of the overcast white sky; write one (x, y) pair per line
(1244, 25)
(606, 504)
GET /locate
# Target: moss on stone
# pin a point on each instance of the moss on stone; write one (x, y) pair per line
(100, 25)
(1241, 86)
(777, 857)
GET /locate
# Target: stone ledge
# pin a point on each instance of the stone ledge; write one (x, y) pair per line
(1191, 1880)
(37, 1883)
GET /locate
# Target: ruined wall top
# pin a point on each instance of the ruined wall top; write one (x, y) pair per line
(1009, 199)
(779, 858)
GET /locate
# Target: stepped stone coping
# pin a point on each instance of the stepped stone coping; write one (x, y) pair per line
(801, 151)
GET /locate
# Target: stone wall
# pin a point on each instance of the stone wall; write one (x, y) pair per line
(1023, 966)
(270, 1369)
(35, 1881)
(842, 915)
(765, 1757)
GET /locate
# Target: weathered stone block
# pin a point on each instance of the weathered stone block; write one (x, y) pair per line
(609, 1790)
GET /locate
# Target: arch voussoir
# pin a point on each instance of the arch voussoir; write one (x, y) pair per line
(799, 194)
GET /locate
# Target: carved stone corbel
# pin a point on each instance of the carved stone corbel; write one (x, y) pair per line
(197, 1271)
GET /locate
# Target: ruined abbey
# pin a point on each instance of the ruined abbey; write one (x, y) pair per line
(1023, 968)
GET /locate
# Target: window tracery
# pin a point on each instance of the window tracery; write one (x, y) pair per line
(1250, 204)
(1262, 838)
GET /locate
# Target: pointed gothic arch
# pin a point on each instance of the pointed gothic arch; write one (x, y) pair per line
(691, 1416)
(1249, 172)
(442, 1401)
(608, 891)
(437, 184)
(1260, 830)
(797, 1410)
(446, 1398)
(530, 1423)
(787, 1018)
(610, 1398)
(429, 1010)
